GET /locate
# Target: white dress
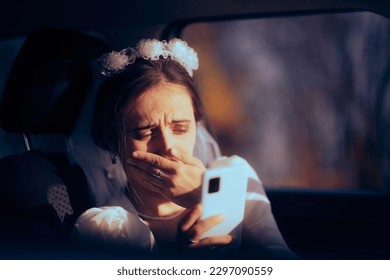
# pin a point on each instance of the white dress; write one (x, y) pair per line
(118, 226)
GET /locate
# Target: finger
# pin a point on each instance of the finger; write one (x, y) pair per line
(151, 182)
(148, 159)
(190, 219)
(149, 169)
(184, 157)
(203, 226)
(213, 241)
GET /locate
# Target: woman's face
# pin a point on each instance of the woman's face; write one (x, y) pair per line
(162, 118)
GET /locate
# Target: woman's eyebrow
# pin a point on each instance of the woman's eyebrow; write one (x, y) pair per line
(180, 121)
(149, 126)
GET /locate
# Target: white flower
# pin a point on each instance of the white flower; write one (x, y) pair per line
(114, 62)
(178, 50)
(151, 49)
(182, 53)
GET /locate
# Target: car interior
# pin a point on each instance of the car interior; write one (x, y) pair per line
(48, 75)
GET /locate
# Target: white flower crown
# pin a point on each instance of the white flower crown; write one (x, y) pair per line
(178, 50)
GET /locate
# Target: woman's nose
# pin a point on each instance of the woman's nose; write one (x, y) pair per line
(166, 141)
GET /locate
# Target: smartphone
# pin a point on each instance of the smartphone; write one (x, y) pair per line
(223, 192)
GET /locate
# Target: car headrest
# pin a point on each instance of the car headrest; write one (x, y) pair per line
(49, 81)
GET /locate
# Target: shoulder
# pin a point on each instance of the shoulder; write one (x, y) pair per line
(112, 227)
(255, 188)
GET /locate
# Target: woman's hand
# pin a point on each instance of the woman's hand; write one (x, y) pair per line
(191, 229)
(177, 176)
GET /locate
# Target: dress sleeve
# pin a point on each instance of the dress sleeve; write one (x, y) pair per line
(259, 228)
(113, 228)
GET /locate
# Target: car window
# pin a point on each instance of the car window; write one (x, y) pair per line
(305, 99)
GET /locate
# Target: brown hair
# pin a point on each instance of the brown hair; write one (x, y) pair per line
(119, 91)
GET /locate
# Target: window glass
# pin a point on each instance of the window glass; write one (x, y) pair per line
(304, 99)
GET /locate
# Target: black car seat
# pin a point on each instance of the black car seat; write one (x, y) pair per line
(41, 193)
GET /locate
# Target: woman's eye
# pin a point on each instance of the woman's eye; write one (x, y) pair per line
(142, 135)
(180, 130)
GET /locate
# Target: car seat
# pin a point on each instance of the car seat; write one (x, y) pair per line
(41, 193)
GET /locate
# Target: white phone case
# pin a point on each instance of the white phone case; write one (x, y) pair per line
(229, 200)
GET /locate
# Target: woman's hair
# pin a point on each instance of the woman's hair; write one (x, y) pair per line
(118, 92)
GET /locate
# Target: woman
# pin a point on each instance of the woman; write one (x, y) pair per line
(147, 113)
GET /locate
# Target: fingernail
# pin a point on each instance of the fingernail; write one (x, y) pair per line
(135, 155)
(174, 151)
